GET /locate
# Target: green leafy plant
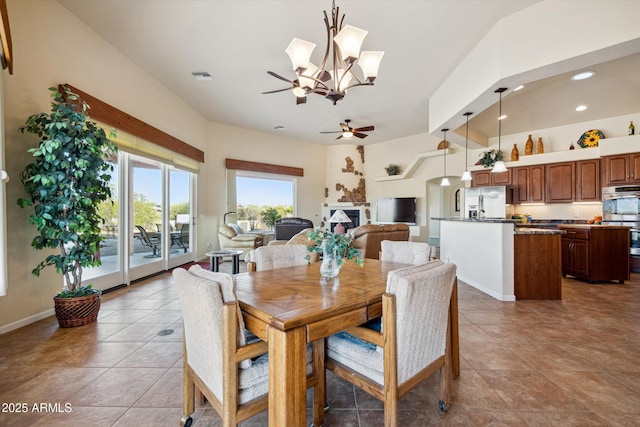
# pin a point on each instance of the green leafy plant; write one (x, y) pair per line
(392, 169)
(341, 242)
(270, 216)
(66, 183)
(489, 158)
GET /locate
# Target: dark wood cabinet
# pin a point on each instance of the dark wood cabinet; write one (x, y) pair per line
(560, 180)
(621, 169)
(484, 178)
(595, 252)
(529, 184)
(537, 277)
(588, 180)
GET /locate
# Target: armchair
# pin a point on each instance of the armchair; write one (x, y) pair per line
(230, 239)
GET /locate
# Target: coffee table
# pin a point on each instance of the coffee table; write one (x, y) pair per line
(215, 256)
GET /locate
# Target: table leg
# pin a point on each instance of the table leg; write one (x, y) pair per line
(236, 264)
(214, 264)
(287, 377)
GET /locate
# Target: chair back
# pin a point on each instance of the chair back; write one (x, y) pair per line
(422, 295)
(201, 301)
(280, 256)
(144, 236)
(405, 252)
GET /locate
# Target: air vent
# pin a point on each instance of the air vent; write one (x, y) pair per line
(202, 75)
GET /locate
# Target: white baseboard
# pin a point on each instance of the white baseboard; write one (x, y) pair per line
(487, 291)
(26, 321)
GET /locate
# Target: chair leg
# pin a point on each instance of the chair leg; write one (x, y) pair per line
(445, 374)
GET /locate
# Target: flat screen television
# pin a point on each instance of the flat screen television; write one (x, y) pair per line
(391, 210)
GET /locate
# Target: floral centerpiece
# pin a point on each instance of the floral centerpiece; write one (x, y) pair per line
(335, 249)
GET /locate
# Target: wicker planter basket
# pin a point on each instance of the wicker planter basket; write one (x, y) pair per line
(77, 311)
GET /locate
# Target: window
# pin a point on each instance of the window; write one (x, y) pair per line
(257, 192)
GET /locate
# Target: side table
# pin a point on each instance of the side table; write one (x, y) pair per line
(215, 256)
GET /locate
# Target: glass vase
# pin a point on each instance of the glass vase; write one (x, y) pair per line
(330, 266)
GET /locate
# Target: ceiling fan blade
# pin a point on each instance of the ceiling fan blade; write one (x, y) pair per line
(364, 129)
(360, 135)
(333, 131)
(339, 137)
(277, 90)
(271, 73)
(301, 100)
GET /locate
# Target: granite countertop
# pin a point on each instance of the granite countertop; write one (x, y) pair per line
(481, 220)
(607, 226)
(521, 230)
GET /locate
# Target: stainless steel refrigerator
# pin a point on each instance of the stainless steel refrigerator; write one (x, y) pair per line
(488, 202)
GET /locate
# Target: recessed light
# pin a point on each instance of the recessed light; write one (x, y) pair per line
(502, 117)
(518, 88)
(202, 75)
(581, 107)
(583, 75)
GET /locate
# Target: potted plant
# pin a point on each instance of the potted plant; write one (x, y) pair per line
(392, 169)
(489, 158)
(65, 183)
(335, 249)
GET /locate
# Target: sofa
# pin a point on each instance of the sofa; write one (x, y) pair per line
(286, 228)
(233, 238)
(368, 237)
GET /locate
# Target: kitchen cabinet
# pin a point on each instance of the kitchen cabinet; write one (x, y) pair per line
(529, 184)
(560, 180)
(588, 180)
(537, 277)
(621, 169)
(595, 252)
(486, 177)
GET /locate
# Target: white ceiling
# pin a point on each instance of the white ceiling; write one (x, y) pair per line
(238, 41)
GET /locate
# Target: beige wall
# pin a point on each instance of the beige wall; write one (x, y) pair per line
(52, 46)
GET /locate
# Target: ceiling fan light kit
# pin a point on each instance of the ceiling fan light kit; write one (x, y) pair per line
(335, 75)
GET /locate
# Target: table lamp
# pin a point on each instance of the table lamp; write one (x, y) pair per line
(338, 218)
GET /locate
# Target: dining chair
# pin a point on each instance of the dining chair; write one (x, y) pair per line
(218, 361)
(405, 252)
(277, 256)
(147, 240)
(414, 342)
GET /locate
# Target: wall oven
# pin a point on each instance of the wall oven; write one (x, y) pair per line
(621, 206)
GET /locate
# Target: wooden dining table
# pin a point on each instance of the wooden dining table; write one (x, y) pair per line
(290, 307)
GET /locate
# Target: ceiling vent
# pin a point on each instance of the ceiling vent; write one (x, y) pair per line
(202, 75)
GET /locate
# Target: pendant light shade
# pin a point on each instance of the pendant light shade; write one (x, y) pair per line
(445, 180)
(499, 165)
(466, 176)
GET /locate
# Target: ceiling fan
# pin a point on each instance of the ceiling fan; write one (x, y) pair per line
(348, 132)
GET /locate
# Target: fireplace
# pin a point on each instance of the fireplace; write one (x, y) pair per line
(358, 213)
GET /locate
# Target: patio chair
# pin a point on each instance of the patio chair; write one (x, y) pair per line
(153, 242)
(414, 343)
(405, 252)
(231, 374)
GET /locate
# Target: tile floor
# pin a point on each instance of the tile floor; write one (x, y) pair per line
(574, 362)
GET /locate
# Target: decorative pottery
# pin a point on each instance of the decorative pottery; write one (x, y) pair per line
(571, 147)
(330, 266)
(540, 148)
(443, 144)
(528, 147)
(515, 155)
(590, 138)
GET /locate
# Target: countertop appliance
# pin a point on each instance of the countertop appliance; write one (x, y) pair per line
(488, 202)
(621, 206)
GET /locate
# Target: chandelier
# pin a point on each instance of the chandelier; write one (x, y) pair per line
(335, 75)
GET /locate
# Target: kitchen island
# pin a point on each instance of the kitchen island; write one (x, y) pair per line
(502, 260)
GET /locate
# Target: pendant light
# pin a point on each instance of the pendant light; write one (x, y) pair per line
(466, 176)
(499, 165)
(445, 180)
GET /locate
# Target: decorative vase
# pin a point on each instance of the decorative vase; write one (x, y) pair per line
(540, 148)
(528, 147)
(515, 155)
(571, 147)
(330, 266)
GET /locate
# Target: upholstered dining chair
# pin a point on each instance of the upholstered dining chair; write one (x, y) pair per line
(405, 252)
(231, 373)
(276, 256)
(414, 342)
